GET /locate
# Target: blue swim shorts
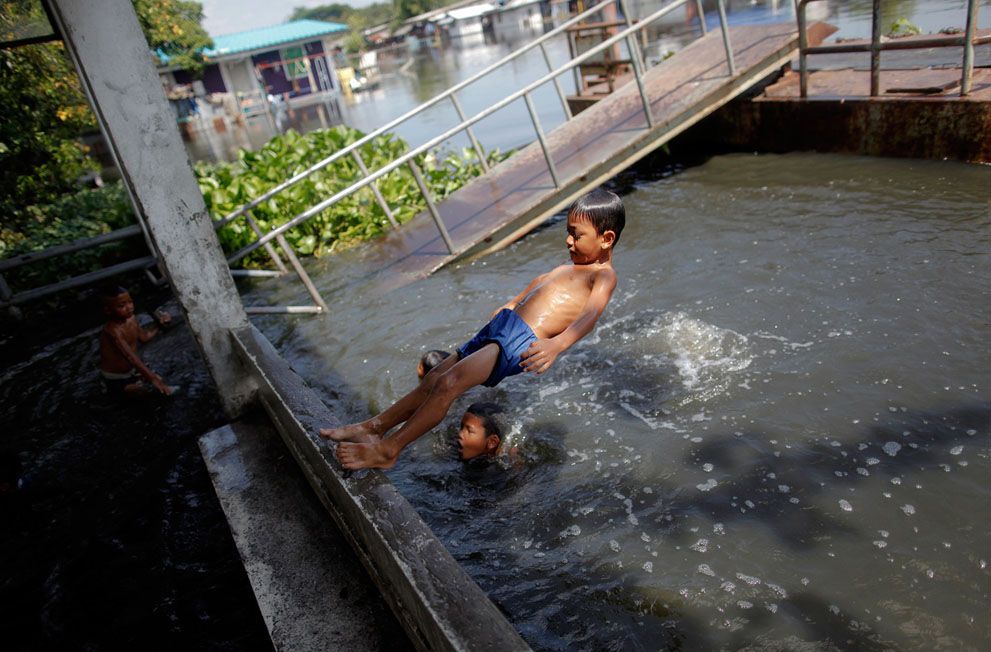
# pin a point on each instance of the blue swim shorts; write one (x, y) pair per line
(512, 334)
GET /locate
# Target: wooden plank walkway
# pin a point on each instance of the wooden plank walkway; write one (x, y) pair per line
(516, 196)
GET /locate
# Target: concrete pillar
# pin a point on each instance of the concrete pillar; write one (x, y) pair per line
(116, 71)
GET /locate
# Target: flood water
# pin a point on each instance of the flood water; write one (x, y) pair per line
(777, 436)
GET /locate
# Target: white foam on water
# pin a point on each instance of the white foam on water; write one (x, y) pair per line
(570, 531)
(749, 579)
(908, 509)
(648, 566)
(707, 485)
(702, 545)
(892, 448)
(845, 505)
(956, 450)
(705, 570)
(777, 589)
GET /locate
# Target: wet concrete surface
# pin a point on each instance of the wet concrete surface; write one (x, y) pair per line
(311, 588)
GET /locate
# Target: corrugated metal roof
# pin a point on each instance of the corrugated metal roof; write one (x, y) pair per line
(270, 37)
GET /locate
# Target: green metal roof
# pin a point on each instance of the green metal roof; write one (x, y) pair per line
(270, 37)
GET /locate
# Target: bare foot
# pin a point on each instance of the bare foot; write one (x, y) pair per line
(357, 432)
(364, 456)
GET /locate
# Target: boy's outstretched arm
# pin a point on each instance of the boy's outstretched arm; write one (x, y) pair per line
(120, 343)
(542, 353)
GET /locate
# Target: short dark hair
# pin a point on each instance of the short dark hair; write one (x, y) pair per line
(603, 208)
(110, 292)
(433, 358)
(492, 417)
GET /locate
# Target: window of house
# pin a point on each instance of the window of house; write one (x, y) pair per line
(293, 64)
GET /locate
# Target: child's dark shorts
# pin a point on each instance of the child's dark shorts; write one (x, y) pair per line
(512, 334)
(115, 384)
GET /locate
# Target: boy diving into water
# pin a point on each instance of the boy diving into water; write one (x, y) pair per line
(527, 334)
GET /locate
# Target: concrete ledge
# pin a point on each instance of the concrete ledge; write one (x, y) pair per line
(311, 590)
(437, 603)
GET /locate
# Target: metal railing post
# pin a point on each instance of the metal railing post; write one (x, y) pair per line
(557, 84)
(301, 273)
(968, 47)
(269, 249)
(471, 134)
(638, 72)
(375, 188)
(876, 48)
(803, 46)
(431, 207)
(542, 139)
(701, 13)
(623, 6)
(724, 26)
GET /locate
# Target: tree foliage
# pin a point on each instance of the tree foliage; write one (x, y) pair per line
(44, 113)
(409, 8)
(172, 27)
(356, 18)
(45, 110)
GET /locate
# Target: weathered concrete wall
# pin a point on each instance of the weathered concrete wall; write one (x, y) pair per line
(438, 604)
(899, 128)
(115, 68)
(311, 589)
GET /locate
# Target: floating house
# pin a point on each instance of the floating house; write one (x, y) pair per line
(292, 61)
(515, 17)
(465, 21)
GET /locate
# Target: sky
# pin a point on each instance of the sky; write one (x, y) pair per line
(227, 16)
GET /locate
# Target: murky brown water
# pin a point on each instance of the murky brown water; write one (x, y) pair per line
(777, 436)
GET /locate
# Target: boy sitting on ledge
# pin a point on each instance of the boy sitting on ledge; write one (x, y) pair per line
(527, 334)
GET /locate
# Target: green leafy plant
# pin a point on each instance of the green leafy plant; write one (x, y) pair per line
(355, 218)
(903, 27)
(228, 186)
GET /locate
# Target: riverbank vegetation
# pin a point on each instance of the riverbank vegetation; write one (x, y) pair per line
(227, 186)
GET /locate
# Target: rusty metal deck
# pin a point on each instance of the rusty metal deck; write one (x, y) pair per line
(516, 196)
(924, 84)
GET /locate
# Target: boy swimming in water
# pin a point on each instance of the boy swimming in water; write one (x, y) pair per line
(120, 366)
(483, 427)
(526, 334)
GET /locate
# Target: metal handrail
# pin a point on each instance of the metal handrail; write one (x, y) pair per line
(404, 159)
(876, 46)
(316, 167)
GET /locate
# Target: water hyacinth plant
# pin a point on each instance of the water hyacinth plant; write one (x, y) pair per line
(227, 186)
(358, 217)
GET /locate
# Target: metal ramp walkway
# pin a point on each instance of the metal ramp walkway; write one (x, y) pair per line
(516, 196)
